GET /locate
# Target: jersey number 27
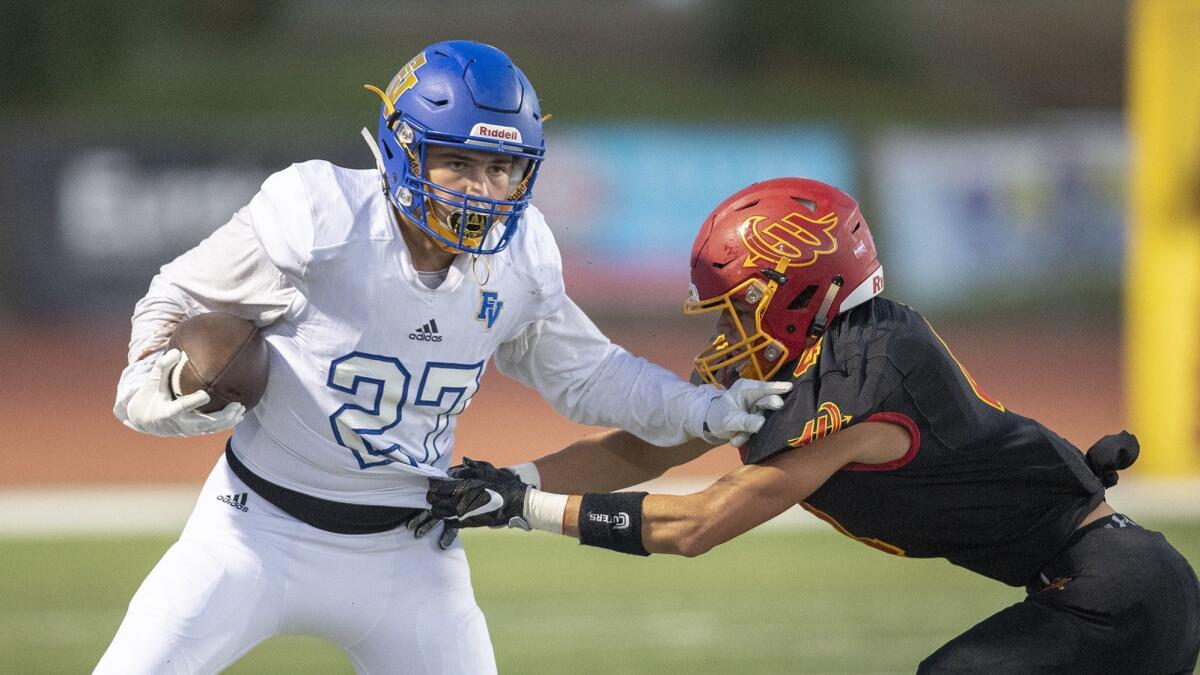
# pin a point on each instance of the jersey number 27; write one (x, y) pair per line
(385, 381)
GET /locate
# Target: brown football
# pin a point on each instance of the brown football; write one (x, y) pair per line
(224, 355)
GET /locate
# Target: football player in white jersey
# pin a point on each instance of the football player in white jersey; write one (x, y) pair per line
(382, 295)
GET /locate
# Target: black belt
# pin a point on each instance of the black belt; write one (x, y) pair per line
(337, 517)
(1052, 573)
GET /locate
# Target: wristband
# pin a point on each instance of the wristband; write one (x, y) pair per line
(612, 520)
(544, 510)
(528, 473)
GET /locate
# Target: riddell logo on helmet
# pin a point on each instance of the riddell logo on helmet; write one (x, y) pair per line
(496, 132)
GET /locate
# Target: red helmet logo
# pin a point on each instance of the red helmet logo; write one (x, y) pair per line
(796, 237)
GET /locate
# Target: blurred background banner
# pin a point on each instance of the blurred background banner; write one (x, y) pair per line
(88, 220)
(990, 216)
(624, 200)
(967, 218)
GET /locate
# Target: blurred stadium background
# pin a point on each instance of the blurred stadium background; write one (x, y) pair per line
(1030, 171)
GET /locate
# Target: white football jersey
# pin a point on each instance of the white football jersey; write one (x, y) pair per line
(369, 367)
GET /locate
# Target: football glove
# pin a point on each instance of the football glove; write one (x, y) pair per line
(422, 523)
(152, 410)
(732, 416)
(1111, 454)
(498, 500)
(485, 471)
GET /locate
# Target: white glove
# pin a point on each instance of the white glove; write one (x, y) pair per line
(731, 416)
(152, 411)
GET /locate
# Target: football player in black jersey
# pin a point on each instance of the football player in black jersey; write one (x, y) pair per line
(885, 436)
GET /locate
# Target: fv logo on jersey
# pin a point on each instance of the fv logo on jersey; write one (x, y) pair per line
(489, 307)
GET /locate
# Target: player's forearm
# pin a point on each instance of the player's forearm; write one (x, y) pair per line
(610, 460)
(687, 525)
(670, 524)
(645, 399)
(591, 381)
(154, 319)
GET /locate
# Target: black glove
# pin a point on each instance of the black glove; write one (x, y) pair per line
(422, 523)
(495, 501)
(484, 471)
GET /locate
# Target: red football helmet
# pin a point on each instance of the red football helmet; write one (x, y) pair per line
(782, 258)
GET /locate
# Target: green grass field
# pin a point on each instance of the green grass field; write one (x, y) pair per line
(776, 601)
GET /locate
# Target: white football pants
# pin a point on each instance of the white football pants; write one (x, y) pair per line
(236, 577)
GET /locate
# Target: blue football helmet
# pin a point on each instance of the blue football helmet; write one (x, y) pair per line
(467, 95)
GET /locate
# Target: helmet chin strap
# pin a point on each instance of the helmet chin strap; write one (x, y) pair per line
(378, 157)
(400, 215)
(429, 206)
(487, 266)
(821, 320)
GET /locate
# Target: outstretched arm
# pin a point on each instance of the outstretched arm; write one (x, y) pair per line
(686, 525)
(611, 460)
(590, 380)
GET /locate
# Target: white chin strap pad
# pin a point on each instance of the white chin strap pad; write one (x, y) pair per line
(374, 149)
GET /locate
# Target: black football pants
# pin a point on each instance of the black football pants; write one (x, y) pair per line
(1118, 599)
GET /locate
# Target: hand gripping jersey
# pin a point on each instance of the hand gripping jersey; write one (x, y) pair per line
(370, 367)
(981, 486)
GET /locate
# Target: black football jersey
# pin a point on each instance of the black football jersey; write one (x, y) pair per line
(981, 486)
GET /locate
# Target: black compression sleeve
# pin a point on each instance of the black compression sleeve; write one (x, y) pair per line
(613, 521)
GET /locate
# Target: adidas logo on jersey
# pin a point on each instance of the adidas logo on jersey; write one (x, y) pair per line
(237, 501)
(426, 333)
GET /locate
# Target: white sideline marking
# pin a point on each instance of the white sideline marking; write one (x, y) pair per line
(50, 512)
(1156, 498)
(32, 512)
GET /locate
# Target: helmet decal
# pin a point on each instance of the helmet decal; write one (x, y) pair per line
(405, 79)
(796, 237)
(496, 131)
